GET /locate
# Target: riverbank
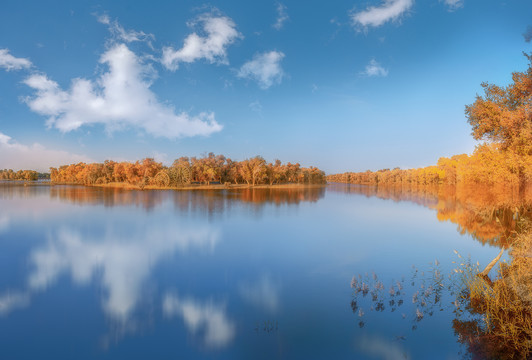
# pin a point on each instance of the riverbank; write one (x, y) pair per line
(503, 301)
(207, 186)
(127, 186)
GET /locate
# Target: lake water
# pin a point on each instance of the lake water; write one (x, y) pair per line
(92, 273)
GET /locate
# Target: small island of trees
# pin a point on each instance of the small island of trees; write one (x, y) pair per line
(26, 175)
(210, 169)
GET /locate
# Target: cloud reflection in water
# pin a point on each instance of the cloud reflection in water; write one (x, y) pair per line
(13, 300)
(218, 329)
(263, 293)
(380, 348)
(4, 222)
(124, 263)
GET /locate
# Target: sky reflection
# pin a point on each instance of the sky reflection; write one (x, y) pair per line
(161, 274)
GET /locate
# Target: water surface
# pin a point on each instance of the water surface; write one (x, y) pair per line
(92, 273)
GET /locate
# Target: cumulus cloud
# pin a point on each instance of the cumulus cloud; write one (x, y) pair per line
(264, 68)
(121, 34)
(374, 69)
(121, 97)
(14, 155)
(218, 329)
(453, 4)
(218, 32)
(9, 62)
(282, 17)
(375, 16)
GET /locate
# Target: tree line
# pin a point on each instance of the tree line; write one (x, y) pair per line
(27, 175)
(487, 165)
(204, 170)
(503, 119)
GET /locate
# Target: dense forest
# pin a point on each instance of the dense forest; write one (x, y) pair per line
(503, 119)
(205, 170)
(27, 175)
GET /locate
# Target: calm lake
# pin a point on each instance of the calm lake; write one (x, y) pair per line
(92, 273)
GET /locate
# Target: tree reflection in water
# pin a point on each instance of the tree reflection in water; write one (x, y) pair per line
(493, 315)
(209, 201)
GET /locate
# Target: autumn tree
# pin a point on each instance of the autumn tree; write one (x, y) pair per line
(253, 170)
(292, 172)
(107, 171)
(180, 171)
(119, 172)
(228, 170)
(150, 167)
(504, 115)
(279, 172)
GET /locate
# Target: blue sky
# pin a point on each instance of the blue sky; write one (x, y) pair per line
(344, 85)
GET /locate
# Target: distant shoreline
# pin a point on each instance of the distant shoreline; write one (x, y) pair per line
(127, 186)
(206, 186)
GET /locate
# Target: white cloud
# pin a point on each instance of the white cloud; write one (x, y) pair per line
(374, 69)
(264, 68)
(219, 33)
(104, 19)
(282, 17)
(16, 156)
(375, 16)
(454, 4)
(119, 98)
(218, 329)
(9, 62)
(119, 33)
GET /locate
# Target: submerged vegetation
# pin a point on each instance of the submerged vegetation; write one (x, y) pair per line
(493, 318)
(493, 313)
(498, 324)
(185, 171)
(421, 296)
